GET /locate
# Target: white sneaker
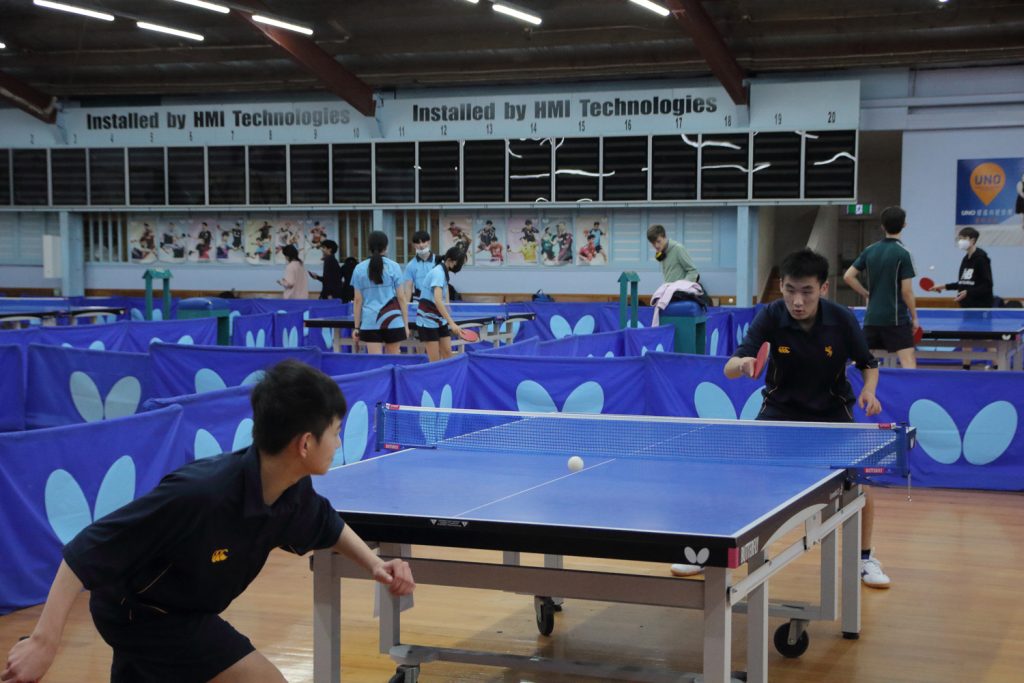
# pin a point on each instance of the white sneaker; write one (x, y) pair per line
(872, 575)
(686, 569)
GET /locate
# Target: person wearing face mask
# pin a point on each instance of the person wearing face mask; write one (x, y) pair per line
(974, 288)
(417, 270)
(434, 323)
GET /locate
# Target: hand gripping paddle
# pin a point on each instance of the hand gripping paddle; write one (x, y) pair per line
(761, 359)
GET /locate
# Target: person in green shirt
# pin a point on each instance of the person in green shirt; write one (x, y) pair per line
(676, 263)
(891, 316)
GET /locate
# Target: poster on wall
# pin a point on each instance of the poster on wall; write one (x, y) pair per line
(522, 240)
(556, 241)
(265, 238)
(990, 198)
(592, 238)
(457, 230)
(259, 242)
(173, 239)
(489, 242)
(142, 241)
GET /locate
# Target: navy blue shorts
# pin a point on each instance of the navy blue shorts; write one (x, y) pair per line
(433, 334)
(171, 648)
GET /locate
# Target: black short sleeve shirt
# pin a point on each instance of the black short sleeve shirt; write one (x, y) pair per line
(806, 374)
(199, 538)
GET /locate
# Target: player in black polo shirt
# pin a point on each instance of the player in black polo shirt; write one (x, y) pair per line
(812, 341)
(162, 568)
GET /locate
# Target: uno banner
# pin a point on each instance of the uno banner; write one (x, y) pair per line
(990, 198)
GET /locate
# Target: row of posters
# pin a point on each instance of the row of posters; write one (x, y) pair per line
(528, 240)
(241, 241)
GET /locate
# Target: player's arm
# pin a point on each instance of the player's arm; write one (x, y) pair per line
(445, 313)
(868, 400)
(403, 304)
(850, 277)
(689, 269)
(395, 574)
(357, 311)
(907, 292)
(30, 659)
(866, 363)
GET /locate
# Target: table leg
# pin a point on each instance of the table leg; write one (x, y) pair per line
(851, 577)
(757, 626)
(717, 625)
(337, 340)
(326, 620)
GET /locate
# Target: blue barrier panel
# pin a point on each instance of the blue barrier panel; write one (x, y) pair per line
(571, 385)
(525, 347)
(652, 339)
(139, 335)
(363, 391)
(969, 431)
(68, 386)
(682, 385)
(212, 423)
(54, 482)
(104, 337)
(741, 319)
(253, 331)
(348, 363)
(178, 370)
(12, 388)
(433, 385)
(288, 329)
(137, 308)
(718, 328)
(561, 348)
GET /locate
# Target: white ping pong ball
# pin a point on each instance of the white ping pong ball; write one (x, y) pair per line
(931, 267)
(575, 463)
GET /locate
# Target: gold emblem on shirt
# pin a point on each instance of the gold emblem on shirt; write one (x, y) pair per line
(783, 349)
(219, 555)
(828, 351)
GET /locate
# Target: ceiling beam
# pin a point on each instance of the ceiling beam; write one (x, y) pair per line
(307, 54)
(28, 99)
(693, 17)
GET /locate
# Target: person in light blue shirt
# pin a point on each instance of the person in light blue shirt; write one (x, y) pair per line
(419, 267)
(381, 315)
(434, 323)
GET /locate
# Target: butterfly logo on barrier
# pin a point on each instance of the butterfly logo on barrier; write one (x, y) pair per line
(433, 424)
(185, 340)
(741, 332)
(208, 380)
(713, 403)
(138, 316)
(659, 348)
(713, 343)
(259, 340)
(531, 397)
(205, 444)
(354, 435)
(93, 346)
(607, 354)
(122, 399)
(560, 327)
(698, 557)
(986, 438)
(290, 337)
(68, 511)
(231, 321)
(629, 324)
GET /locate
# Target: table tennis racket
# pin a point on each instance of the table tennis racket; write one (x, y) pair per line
(918, 335)
(926, 283)
(470, 335)
(761, 359)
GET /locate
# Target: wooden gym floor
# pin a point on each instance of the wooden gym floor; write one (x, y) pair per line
(955, 613)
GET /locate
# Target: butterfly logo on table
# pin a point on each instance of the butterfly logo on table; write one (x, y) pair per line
(67, 509)
(987, 437)
(355, 433)
(697, 557)
(205, 444)
(122, 399)
(560, 327)
(207, 380)
(531, 397)
(712, 403)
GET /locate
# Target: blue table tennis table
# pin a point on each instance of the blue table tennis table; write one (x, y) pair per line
(963, 336)
(23, 312)
(711, 492)
(496, 324)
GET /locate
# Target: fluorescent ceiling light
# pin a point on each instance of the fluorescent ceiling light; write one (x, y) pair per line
(3, 46)
(171, 31)
(473, 1)
(204, 5)
(282, 24)
(646, 4)
(74, 10)
(517, 13)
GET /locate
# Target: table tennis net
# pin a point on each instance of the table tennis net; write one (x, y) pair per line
(871, 447)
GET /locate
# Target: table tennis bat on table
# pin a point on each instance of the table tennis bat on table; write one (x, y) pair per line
(761, 359)
(926, 283)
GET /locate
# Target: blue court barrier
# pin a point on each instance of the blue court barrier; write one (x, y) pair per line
(68, 386)
(254, 331)
(179, 370)
(550, 384)
(347, 363)
(681, 385)
(433, 385)
(969, 431)
(524, 347)
(363, 391)
(139, 335)
(54, 482)
(12, 388)
(652, 339)
(212, 423)
(718, 328)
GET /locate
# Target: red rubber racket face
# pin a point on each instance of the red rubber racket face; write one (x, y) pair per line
(926, 283)
(470, 335)
(761, 359)
(918, 335)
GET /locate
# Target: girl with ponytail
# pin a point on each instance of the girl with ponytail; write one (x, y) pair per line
(381, 315)
(434, 323)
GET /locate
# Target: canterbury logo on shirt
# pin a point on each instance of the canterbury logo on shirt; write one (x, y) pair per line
(219, 555)
(828, 351)
(783, 349)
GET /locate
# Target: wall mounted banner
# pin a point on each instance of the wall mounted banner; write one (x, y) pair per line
(990, 198)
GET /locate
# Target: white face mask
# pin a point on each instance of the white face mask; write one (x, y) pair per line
(964, 245)
(423, 253)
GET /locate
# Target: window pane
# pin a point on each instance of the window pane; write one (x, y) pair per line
(830, 167)
(724, 166)
(267, 175)
(185, 175)
(483, 178)
(673, 168)
(106, 176)
(625, 169)
(439, 171)
(227, 175)
(352, 174)
(310, 174)
(529, 170)
(577, 164)
(396, 173)
(67, 177)
(781, 179)
(30, 177)
(146, 176)
(5, 177)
